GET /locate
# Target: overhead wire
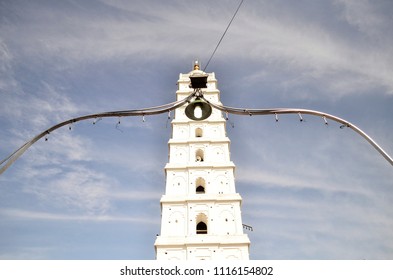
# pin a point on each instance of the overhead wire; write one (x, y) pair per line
(223, 35)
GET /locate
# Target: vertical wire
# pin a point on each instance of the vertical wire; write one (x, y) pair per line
(223, 35)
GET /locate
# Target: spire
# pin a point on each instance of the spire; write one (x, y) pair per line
(196, 65)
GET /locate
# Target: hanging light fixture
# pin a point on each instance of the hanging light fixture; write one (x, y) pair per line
(198, 110)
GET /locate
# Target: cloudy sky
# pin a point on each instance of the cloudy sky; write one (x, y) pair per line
(310, 190)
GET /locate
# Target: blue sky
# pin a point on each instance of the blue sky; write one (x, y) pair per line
(310, 191)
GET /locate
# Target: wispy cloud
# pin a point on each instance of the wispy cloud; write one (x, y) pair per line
(322, 54)
(80, 188)
(33, 215)
(135, 195)
(74, 189)
(8, 83)
(39, 109)
(367, 16)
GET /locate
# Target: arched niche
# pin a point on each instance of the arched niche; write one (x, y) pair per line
(199, 155)
(198, 132)
(200, 185)
(201, 224)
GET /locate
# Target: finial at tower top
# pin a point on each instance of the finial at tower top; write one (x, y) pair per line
(196, 65)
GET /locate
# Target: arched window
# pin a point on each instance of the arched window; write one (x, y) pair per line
(198, 132)
(200, 189)
(201, 224)
(200, 185)
(199, 155)
(201, 228)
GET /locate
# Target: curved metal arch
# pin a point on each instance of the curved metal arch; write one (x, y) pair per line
(279, 111)
(8, 161)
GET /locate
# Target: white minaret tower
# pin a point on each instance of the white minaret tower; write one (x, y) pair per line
(201, 215)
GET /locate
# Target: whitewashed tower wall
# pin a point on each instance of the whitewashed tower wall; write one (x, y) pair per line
(201, 211)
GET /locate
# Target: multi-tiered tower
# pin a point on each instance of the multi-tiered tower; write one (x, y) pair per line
(201, 215)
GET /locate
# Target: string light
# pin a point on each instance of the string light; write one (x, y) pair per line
(117, 125)
(300, 116)
(326, 122)
(96, 120)
(344, 125)
(8, 161)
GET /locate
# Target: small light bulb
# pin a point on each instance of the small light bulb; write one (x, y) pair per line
(198, 112)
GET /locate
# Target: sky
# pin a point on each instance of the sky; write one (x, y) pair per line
(92, 191)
